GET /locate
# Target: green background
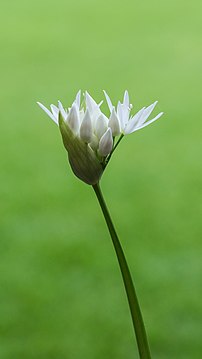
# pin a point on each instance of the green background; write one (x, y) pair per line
(61, 294)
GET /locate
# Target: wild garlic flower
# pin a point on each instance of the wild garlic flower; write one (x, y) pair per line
(90, 137)
(86, 135)
(122, 122)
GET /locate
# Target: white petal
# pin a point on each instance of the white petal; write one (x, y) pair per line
(78, 98)
(133, 121)
(106, 143)
(148, 122)
(49, 113)
(86, 130)
(90, 102)
(55, 111)
(101, 125)
(123, 114)
(62, 110)
(147, 112)
(73, 119)
(119, 113)
(108, 101)
(126, 101)
(100, 103)
(81, 115)
(114, 123)
(92, 106)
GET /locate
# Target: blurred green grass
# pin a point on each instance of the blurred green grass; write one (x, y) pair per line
(61, 293)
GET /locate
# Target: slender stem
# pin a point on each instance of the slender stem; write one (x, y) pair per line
(108, 158)
(136, 315)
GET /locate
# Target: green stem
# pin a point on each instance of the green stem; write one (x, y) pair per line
(108, 158)
(136, 315)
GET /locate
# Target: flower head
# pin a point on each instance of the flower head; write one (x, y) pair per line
(89, 136)
(86, 135)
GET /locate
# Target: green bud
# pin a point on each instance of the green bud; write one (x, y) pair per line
(82, 158)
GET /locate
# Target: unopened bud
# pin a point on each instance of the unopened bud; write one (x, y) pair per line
(82, 158)
(106, 143)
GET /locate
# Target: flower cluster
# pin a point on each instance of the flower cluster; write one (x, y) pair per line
(90, 137)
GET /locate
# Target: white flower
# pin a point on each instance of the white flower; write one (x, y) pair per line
(122, 122)
(89, 136)
(86, 135)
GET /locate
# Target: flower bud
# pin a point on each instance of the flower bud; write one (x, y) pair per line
(114, 123)
(101, 126)
(82, 158)
(86, 129)
(73, 119)
(106, 143)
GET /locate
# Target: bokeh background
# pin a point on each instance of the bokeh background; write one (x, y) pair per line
(61, 294)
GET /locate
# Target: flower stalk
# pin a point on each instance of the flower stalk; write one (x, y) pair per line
(138, 324)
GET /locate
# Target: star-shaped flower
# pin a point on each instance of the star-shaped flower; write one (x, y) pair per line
(120, 120)
(90, 137)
